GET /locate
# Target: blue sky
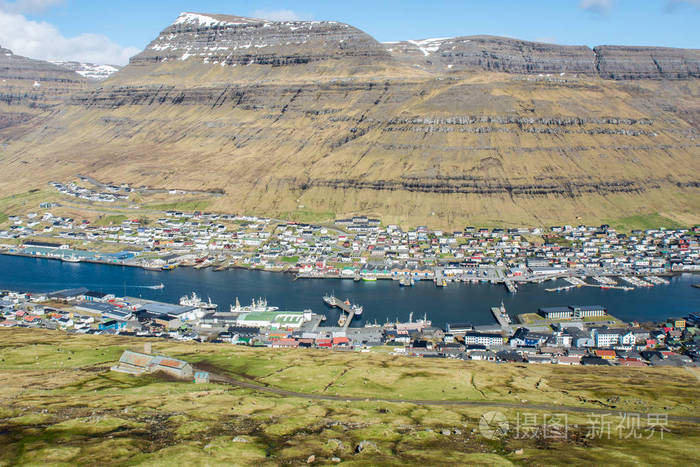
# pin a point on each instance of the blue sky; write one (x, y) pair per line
(110, 31)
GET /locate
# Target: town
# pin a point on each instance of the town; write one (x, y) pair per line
(572, 335)
(357, 248)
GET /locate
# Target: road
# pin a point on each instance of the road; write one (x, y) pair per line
(554, 408)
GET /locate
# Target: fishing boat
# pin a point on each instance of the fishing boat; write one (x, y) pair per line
(169, 267)
(342, 320)
(197, 302)
(156, 287)
(70, 259)
(256, 305)
(152, 266)
(369, 278)
(330, 300)
(357, 309)
(406, 282)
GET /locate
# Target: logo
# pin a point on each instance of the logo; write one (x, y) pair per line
(493, 424)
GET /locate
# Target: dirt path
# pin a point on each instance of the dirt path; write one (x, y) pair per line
(507, 405)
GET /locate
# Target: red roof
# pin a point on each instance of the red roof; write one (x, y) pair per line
(605, 353)
(340, 340)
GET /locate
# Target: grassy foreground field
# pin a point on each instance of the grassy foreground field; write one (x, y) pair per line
(60, 404)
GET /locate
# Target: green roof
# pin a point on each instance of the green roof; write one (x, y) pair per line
(273, 316)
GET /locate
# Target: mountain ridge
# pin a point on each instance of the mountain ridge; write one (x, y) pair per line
(323, 118)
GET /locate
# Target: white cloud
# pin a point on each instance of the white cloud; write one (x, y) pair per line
(28, 6)
(597, 7)
(280, 15)
(43, 41)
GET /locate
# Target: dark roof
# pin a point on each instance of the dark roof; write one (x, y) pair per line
(590, 360)
(43, 244)
(92, 293)
(65, 293)
(555, 309)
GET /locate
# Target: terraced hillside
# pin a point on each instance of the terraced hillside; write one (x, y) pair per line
(31, 88)
(319, 117)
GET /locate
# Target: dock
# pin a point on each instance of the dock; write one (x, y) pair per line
(501, 315)
(600, 286)
(344, 306)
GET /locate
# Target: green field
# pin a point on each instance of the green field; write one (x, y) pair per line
(184, 206)
(115, 219)
(61, 405)
(644, 222)
(306, 215)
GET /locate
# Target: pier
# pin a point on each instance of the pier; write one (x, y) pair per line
(344, 306)
(501, 315)
(600, 286)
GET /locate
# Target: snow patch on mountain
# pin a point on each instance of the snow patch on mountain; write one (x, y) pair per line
(208, 21)
(89, 70)
(428, 46)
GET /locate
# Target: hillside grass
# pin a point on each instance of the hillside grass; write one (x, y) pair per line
(184, 205)
(114, 219)
(22, 203)
(644, 222)
(308, 216)
(60, 404)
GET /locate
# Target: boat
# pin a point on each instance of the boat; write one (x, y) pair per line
(197, 302)
(330, 300)
(256, 305)
(368, 278)
(441, 283)
(169, 267)
(406, 282)
(152, 266)
(156, 287)
(342, 320)
(70, 259)
(501, 315)
(357, 309)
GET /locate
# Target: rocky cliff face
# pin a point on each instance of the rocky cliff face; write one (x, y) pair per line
(30, 87)
(500, 54)
(236, 41)
(280, 115)
(617, 62)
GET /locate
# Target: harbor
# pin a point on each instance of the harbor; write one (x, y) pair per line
(381, 300)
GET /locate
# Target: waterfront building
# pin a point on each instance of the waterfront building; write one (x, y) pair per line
(489, 340)
(556, 312)
(572, 312)
(274, 319)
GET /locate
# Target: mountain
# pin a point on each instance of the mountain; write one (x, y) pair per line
(90, 70)
(501, 54)
(319, 118)
(29, 87)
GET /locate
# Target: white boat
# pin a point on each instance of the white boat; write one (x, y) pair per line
(197, 302)
(70, 259)
(256, 305)
(357, 309)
